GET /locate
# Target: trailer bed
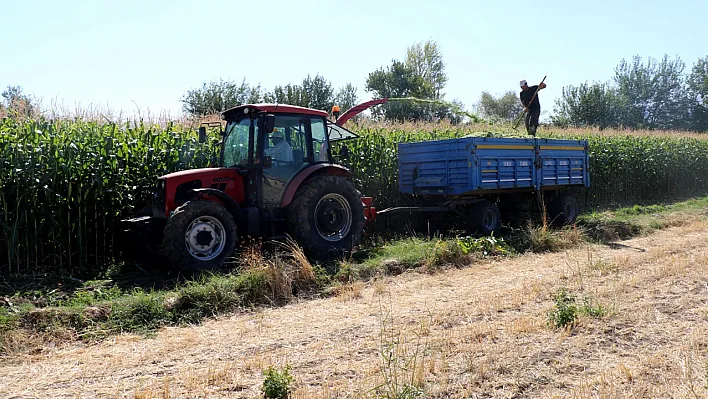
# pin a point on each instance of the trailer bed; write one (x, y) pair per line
(484, 165)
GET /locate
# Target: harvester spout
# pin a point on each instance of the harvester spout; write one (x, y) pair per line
(353, 111)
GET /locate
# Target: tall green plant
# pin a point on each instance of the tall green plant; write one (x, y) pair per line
(65, 184)
(624, 170)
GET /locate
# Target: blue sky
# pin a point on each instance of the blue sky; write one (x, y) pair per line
(130, 55)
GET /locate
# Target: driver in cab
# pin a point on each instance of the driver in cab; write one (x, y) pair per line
(281, 150)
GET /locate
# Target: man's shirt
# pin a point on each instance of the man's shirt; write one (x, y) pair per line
(281, 152)
(525, 97)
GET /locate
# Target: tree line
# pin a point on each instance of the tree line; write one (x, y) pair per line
(13, 101)
(651, 94)
(421, 74)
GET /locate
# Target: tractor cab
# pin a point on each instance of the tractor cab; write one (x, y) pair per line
(271, 144)
(276, 177)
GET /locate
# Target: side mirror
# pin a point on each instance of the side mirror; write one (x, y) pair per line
(344, 152)
(202, 134)
(269, 123)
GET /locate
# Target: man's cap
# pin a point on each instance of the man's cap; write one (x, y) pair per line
(277, 135)
(522, 83)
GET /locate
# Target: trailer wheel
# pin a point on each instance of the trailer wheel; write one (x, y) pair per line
(563, 210)
(484, 217)
(327, 216)
(199, 236)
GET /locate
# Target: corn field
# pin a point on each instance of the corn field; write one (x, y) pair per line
(65, 184)
(624, 169)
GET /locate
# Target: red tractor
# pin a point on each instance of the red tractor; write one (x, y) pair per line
(276, 177)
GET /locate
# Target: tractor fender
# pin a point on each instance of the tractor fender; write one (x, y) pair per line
(304, 174)
(231, 205)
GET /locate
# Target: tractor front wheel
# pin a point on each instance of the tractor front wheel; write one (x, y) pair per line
(327, 216)
(199, 236)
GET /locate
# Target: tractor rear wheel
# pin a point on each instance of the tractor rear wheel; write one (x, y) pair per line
(484, 218)
(326, 217)
(199, 236)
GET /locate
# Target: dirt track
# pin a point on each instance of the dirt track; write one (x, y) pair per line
(480, 330)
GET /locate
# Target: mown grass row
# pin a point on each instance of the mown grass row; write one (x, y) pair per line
(68, 309)
(64, 184)
(64, 309)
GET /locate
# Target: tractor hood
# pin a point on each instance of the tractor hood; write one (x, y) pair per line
(191, 173)
(178, 186)
(207, 177)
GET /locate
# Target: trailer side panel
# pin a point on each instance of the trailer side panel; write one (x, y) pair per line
(563, 163)
(484, 165)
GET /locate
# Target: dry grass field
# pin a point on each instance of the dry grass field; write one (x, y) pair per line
(475, 332)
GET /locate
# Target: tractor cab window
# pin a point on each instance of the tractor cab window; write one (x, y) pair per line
(287, 144)
(319, 140)
(338, 133)
(236, 142)
(290, 147)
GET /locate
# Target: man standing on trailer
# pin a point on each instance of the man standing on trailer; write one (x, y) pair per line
(529, 99)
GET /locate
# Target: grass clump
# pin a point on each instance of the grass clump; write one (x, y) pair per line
(486, 246)
(594, 308)
(544, 239)
(566, 309)
(402, 359)
(564, 312)
(214, 294)
(445, 252)
(395, 256)
(642, 210)
(628, 222)
(277, 383)
(140, 312)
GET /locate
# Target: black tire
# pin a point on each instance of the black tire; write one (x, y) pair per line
(317, 217)
(563, 210)
(189, 236)
(484, 218)
(507, 210)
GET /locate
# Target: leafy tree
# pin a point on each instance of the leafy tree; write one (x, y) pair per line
(216, 96)
(503, 108)
(14, 101)
(420, 75)
(425, 59)
(651, 95)
(346, 97)
(654, 93)
(288, 94)
(698, 95)
(450, 113)
(396, 81)
(318, 92)
(595, 104)
(314, 93)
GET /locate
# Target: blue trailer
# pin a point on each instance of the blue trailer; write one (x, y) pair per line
(472, 177)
